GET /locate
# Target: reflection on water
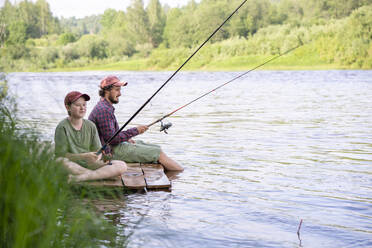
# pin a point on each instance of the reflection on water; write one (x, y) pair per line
(260, 155)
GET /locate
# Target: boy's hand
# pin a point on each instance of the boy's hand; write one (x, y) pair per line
(106, 156)
(92, 157)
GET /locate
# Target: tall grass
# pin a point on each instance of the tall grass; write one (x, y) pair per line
(38, 208)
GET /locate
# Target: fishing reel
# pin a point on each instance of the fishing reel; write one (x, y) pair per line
(165, 127)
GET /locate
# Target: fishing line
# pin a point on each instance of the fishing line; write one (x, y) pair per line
(187, 60)
(166, 126)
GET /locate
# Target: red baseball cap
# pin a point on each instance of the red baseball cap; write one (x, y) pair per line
(111, 80)
(73, 96)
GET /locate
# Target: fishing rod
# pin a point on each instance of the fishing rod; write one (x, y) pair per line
(165, 127)
(156, 92)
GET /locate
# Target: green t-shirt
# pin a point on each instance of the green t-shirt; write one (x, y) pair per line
(69, 140)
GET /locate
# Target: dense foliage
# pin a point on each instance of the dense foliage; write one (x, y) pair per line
(339, 31)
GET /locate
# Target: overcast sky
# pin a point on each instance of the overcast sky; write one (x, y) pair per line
(82, 8)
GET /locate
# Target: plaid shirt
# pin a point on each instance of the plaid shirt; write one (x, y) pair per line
(104, 118)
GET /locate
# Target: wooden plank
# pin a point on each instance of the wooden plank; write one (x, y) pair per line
(133, 178)
(114, 183)
(155, 177)
(133, 164)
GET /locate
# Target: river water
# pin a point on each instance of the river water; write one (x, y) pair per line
(260, 155)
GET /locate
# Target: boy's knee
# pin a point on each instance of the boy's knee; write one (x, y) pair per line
(121, 166)
(63, 160)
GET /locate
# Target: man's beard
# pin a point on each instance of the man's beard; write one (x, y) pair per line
(113, 100)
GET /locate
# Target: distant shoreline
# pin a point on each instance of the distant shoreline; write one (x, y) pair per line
(276, 68)
(238, 63)
(136, 65)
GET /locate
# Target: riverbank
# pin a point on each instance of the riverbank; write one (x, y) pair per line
(227, 56)
(240, 63)
(232, 64)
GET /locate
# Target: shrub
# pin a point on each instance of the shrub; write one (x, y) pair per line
(120, 46)
(17, 33)
(92, 46)
(16, 51)
(69, 53)
(144, 50)
(66, 38)
(49, 54)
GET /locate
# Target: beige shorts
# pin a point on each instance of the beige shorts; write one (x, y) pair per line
(140, 152)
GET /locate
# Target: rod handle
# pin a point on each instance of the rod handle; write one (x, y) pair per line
(101, 149)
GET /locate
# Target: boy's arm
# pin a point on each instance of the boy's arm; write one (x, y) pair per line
(89, 157)
(60, 140)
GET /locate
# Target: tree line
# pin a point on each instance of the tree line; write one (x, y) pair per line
(28, 29)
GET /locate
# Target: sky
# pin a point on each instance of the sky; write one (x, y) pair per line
(82, 8)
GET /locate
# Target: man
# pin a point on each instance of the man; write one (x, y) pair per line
(76, 141)
(122, 146)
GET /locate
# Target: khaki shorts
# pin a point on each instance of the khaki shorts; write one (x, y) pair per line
(140, 152)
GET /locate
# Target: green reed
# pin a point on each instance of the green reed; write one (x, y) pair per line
(38, 208)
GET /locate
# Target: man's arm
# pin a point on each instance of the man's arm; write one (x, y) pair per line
(107, 126)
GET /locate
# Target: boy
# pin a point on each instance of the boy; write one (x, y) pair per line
(76, 141)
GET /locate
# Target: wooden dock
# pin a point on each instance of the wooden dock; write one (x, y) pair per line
(149, 176)
(139, 177)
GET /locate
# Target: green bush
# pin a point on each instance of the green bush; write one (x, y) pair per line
(17, 33)
(347, 41)
(66, 38)
(165, 58)
(30, 43)
(92, 46)
(49, 54)
(16, 52)
(120, 46)
(41, 42)
(69, 53)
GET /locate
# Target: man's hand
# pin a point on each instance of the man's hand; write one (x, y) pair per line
(132, 141)
(142, 128)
